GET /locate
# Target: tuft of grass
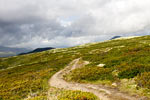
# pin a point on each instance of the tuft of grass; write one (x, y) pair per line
(130, 86)
(143, 80)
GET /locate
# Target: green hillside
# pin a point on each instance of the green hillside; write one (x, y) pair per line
(126, 63)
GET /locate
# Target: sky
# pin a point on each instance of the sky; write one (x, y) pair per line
(66, 23)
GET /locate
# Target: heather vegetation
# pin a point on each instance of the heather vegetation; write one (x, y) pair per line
(76, 95)
(123, 59)
(62, 94)
(90, 74)
(27, 75)
(143, 80)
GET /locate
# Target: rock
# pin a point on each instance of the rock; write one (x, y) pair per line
(114, 84)
(33, 94)
(101, 65)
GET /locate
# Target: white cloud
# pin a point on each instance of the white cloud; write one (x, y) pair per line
(61, 41)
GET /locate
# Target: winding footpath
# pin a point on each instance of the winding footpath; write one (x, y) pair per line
(102, 92)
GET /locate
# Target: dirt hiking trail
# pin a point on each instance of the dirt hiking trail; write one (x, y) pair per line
(102, 92)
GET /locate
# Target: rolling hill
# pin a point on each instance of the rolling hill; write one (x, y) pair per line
(119, 65)
(38, 50)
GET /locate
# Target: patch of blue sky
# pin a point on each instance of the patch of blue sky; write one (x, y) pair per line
(66, 21)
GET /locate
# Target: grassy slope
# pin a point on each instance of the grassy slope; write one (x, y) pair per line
(127, 63)
(28, 75)
(21, 76)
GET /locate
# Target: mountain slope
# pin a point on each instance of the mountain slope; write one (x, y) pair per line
(121, 64)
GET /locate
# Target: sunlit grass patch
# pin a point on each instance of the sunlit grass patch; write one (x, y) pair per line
(61, 94)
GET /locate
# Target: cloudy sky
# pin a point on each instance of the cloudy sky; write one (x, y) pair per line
(64, 23)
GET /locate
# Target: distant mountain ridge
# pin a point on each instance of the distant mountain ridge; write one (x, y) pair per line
(115, 37)
(11, 51)
(38, 50)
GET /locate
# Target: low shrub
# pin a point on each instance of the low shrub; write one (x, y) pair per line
(143, 80)
(131, 71)
(91, 74)
(38, 98)
(77, 95)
